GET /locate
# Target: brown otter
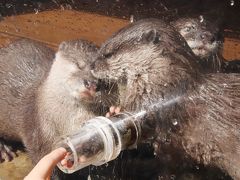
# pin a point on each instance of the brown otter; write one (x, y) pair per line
(43, 99)
(206, 41)
(22, 64)
(153, 64)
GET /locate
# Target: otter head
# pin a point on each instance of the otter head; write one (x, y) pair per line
(74, 59)
(149, 59)
(202, 36)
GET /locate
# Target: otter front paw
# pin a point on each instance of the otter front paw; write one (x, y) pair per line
(113, 110)
(6, 152)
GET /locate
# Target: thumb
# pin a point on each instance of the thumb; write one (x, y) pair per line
(45, 166)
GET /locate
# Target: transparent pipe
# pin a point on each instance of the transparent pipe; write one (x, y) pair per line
(101, 139)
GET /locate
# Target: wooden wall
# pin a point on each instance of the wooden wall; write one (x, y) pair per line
(53, 27)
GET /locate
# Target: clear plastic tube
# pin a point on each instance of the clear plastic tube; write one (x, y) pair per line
(99, 141)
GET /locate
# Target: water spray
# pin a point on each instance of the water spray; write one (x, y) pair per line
(101, 139)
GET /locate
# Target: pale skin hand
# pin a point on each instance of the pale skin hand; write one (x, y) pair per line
(43, 169)
(113, 110)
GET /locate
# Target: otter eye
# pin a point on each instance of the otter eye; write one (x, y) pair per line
(86, 84)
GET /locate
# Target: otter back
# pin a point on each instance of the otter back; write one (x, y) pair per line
(23, 66)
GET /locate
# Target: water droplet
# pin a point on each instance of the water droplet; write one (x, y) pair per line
(165, 85)
(1, 17)
(62, 7)
(225, 85)
(175, 122)
(89, 177)
(232, 2)
(17, 29)
(173, 177)
(201, 18)
(8, 5)
(160, 177)
(155, 146)
(69, 7)
(131, 19)
(197, 167)
(35, 10)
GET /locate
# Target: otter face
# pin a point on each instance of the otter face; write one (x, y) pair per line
(73, 79)
(147, 57)
(76, 57)
(202, 37)
(146, 47)
(72, 68)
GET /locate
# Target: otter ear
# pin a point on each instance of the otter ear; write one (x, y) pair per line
(151, 36)
(62, 46)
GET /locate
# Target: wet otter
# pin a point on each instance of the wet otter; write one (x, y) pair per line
(22, 64)
(206, 41)
(151, 63)
(41, 99)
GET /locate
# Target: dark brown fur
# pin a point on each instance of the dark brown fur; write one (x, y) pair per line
(152, 64)
(206, 40)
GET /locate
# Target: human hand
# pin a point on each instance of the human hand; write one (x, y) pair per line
(43, 169)
(113, 110)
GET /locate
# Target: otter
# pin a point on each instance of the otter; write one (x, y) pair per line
(23, 65)
(41, 99)
(206, 41)
(152, 64)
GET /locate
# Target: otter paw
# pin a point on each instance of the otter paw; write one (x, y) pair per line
(6, 152)
(113, 110)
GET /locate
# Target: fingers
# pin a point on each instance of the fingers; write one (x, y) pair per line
(113, 110)
(117, 110)
(45, 166)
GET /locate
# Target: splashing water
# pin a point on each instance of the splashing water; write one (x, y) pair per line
(131, 19)
(101, 139)
(36, 10)
(232, 2)
(157, 106)
(201, 18)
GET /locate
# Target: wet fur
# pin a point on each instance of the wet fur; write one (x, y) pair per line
(207, 35)
(58, 106)
(24, 65)
(40, 98)
(151, 63)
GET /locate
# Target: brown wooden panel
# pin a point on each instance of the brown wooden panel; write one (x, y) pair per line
(52, 27)
(6, 39)
(231, 49)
